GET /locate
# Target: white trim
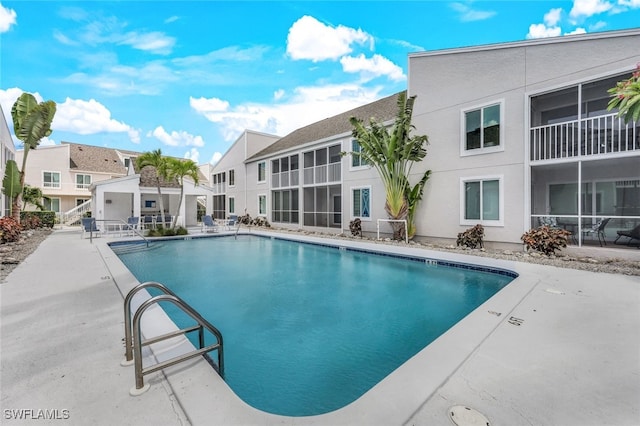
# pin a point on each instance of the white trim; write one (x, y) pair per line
(229, 178)
(353, 168)
(84, 185)
(266, 205)
(500, 221)
(265, 171)
(44, 186)
(362, 218)
(229, 204)
(464, 152)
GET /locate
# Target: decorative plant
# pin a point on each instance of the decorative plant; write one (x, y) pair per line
(355, 226)
(393, 152)
(33, 195)
(472, 237)
(546, 240)
(30, 221)
(31, 123)
(9, 229)
(626, 97)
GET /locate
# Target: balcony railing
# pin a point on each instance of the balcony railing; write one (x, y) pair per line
(602, 135)
(285, 179)
(322, 174)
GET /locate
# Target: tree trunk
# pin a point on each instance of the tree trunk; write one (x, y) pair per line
(16, 202)
(399, 230)
(160, 201)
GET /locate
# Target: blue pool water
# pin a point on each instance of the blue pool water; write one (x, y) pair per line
(309, 328)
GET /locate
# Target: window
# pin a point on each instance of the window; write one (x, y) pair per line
(52, 204)
(83, 181)
(361, 203)
(262, 171)
(232, 177)
(262, 205)
(482, 201)
(51, 179)
(284, 206)
(232, 205)
(322, 165)
(356, 160)
(482, 130)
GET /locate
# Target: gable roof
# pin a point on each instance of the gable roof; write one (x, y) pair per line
(382, 110)
(95, 159)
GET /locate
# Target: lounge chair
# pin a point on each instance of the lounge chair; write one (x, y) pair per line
(208, 224)
(89, 225)
(632, 234)
(598, 229)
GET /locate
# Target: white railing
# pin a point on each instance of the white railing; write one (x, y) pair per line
(323, 174)
(406, 230)
(602, 135)
(76, 213)
(284, 179)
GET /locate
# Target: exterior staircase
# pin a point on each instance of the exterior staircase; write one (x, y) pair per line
(73, 216)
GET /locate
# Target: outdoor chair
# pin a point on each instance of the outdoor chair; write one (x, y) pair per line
(208, 224)
(148, 222)
(133, 224)
(632, 234)
(598, 230)
(167, 220)
(89, 225)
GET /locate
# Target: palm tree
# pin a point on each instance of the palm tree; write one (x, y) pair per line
(179, 169)
(33, 195)
(393, 153)
(31, 123)
(160, 164)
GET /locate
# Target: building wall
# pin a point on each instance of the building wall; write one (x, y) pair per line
(449, 82)
(7, 152)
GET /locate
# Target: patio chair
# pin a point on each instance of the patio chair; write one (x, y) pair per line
(133, 224)
(598, 229)
(167, 220)
(89, 225)
(148, 222)
(208, 224)
(632, 234)
(550, 221)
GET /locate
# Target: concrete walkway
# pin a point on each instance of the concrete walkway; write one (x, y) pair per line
(565, 350)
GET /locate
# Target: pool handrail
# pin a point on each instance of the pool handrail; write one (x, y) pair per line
(133, 344)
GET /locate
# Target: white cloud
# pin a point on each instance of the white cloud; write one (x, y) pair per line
(204, 105)
(87, 118)
(587, 8)
(278, 94)
(7, 18)
(311, 39)
(192, 155)
(171, 19)
(155, 42)
(577, 31)
(468, 14)
(370, 68)
(542, 31)
(174, 138)
(629, 3)
(305, 106)
(215, 157)
(550, 27)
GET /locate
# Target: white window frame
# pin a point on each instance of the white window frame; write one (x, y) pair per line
(264, 178)
(361, 166)
(464, 152)
(266, 206)
(232, 201)
(48, 185)
(84, 185)
(500, 221)
(232, 177)
(51, 199)
(353, 216)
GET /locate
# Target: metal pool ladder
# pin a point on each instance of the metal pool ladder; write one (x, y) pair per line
(133, 344)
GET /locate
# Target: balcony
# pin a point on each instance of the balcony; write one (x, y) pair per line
(603, 135)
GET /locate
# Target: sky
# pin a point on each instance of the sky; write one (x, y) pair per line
(188, 77)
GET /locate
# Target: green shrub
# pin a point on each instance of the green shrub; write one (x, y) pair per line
(182, 231)
(545, 240)
(9, 230)
(30, 221)
(47, 218)
(472, 237)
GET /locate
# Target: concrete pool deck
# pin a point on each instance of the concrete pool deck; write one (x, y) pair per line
(564, 350)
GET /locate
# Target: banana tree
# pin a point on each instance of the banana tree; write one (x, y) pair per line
(179, 169)
(160, 163)
(31, 123)
(393, 152)
(33, 195)
(11, 182)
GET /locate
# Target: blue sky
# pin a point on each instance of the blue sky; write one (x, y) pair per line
(189, 76)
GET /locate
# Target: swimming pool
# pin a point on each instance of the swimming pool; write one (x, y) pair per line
(310, 328)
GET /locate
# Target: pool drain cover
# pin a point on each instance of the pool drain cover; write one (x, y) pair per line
(465, 416)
